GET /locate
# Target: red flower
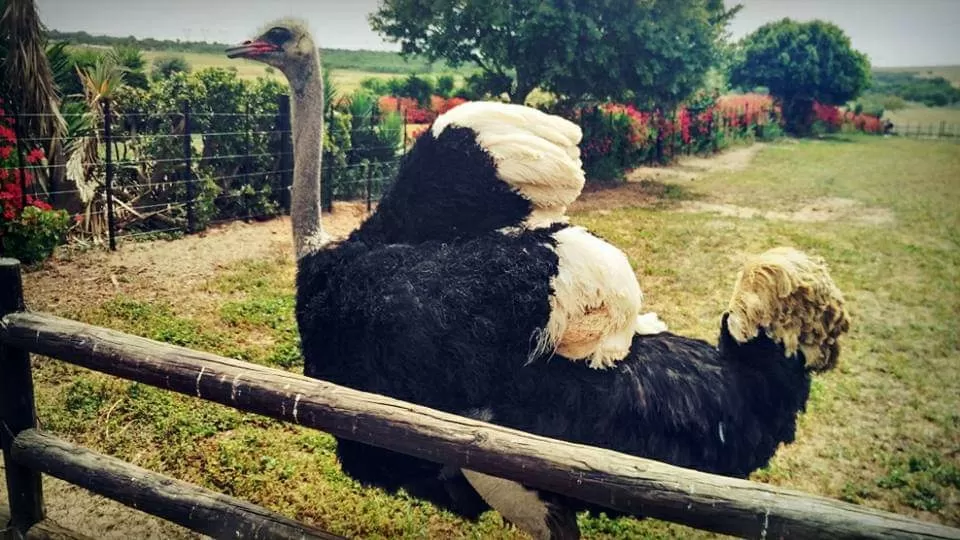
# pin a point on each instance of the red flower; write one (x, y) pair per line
(5, 151)
(35, 156)
(41, 205)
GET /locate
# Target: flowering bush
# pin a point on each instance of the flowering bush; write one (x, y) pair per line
(830, 119)
(29, 228)
(863, 122)
(414, 113)
(618, 136)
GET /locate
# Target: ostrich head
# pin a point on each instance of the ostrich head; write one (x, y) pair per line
(285, 44)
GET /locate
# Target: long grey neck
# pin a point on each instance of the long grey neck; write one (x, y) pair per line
(307, 86)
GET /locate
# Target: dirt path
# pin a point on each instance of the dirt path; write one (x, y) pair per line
(89, 514)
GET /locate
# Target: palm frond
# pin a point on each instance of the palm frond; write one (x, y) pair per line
(26, 65)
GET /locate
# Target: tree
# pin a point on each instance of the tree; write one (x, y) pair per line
(652, 50)
(26, 65)
(131, 60)
(801, 63)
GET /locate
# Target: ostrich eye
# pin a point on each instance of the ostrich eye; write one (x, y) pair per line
(278, 36)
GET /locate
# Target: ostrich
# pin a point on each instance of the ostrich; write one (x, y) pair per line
(444, 295)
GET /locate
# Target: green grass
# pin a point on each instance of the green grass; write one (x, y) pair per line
(881, 430)
(928, 118)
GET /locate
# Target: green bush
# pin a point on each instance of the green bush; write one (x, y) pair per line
(165, 66)
(35, 234)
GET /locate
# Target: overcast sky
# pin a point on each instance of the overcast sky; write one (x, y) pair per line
(891, 32)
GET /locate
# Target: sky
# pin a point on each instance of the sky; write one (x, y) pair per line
(891, 32)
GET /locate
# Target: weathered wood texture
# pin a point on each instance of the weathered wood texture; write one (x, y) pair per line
(192, 506)
(24, 487)
(603, 477)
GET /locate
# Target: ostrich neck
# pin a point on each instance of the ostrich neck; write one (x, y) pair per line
(308, 234)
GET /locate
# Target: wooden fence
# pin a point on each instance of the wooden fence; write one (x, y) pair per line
(928, 130)
(610, 479)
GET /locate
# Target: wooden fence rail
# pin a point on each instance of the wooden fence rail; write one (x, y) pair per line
(603, 477)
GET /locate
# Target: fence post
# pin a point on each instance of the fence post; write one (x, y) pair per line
(247, 145)
(108, 138)
(943, 128)
(286, 151)
(403, 119)
(24, 485)
(327, 187)
(187, 168)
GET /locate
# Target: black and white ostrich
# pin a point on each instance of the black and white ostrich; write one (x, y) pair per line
(467, 291)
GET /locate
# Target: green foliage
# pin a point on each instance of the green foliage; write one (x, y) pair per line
(131, 60)
(604, 49)
(931, 91)
(165, 66)
(375, 61)
(922, 480)
(446, 85)
(35, 234)
(801, 63)
(418, 88)
(877, 104)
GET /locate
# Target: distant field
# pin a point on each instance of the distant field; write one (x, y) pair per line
(950, 73)
(346, 79)
(924, 116)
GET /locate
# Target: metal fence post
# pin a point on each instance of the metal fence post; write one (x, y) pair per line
(187, 169)
(24, 485)
(286, 151)
(108, 138)
(327, 187)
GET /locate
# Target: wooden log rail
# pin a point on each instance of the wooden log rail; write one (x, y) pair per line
(611, 479)
(206, 512)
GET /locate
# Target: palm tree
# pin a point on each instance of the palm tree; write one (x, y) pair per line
(27, 80)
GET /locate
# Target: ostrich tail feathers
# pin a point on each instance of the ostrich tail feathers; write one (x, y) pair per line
(791, 297)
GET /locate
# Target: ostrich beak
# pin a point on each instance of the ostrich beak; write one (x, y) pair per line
(251, 49)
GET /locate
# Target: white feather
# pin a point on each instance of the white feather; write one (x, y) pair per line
(536, 153)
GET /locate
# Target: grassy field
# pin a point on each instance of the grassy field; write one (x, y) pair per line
(926, 117)
(346, 79)
(882, 430)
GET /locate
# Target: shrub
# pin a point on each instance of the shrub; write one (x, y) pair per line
(165, 66)
(36, 232)
(29, 228)
(446, 85)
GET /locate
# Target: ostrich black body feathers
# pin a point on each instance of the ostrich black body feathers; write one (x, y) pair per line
(447, 321)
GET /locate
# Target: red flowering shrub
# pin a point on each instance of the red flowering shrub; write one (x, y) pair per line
(618, 136)
(827, 116)
(747, 111)
(866, 123)
(829, 119)
(414, 113)
(29, 228)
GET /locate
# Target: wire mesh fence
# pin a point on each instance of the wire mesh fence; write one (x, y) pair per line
(927, 130)
(125, 173)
